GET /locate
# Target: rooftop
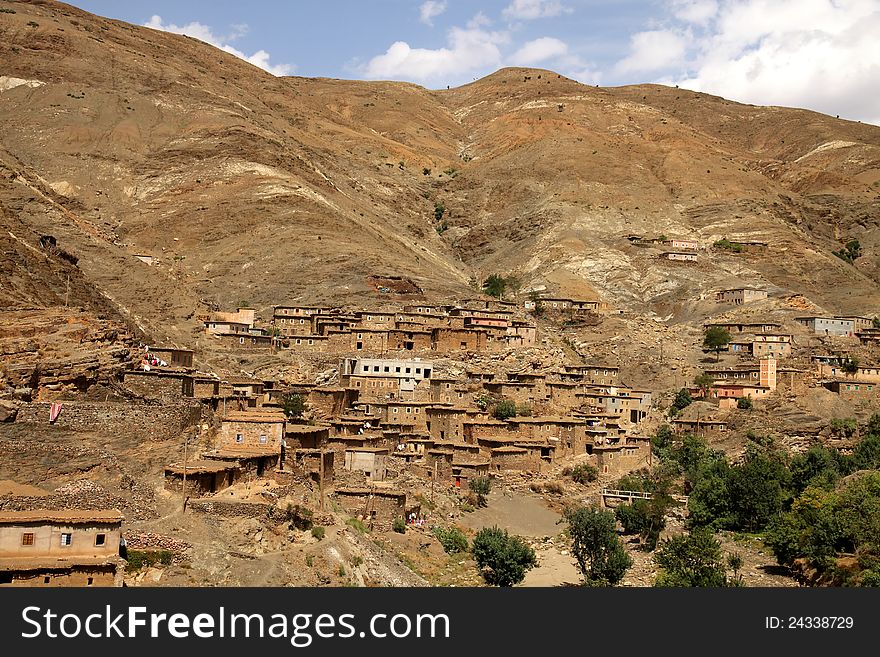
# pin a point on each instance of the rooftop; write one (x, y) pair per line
(67, 516)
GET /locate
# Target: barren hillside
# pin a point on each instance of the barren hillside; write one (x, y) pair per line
(119, 141)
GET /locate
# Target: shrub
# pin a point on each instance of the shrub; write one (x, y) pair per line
(524, 411)
(480, 486)
(357, 525)
(682, 400)
(451, 539)
(138, 559)
(584, 473)
(725, 245)
(294, 405)
(399, 526)
(504, 409)
(300, 516)
(691, 560)
(600, 555)
(744, 403)
(503, 559)
(439, 209)
(318, 532)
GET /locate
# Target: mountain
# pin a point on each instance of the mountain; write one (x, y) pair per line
(119, 141)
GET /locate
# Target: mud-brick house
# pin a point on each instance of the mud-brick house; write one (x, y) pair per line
(159, 385)
(699, 427)
(377, 507)
(444, 389)
(251, 431)
(446, 422)
(740, 295)
(835, 326)
(476, 428)
(175, 358)
(515, 457)
(306, 436)
(595, 374)
(60, 548)
(853, 390)
(465, 468)
(450, 340)
(202, 477)
(681, 243)
(206, 387)
(679, 256)
(241, 321)
(372, 461)
(567, 434)
(619, 458)
(314, 463)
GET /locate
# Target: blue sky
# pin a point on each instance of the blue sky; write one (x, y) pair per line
(819, 54)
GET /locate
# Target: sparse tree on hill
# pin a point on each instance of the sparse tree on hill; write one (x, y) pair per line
(294, 405)
(503, 559)
(495, 286)
(682, 400)
(703, 382)
(715, 339)
(600, 554)
(480, 487)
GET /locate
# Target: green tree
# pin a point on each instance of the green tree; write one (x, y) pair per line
(744, 403)
(480, 486)
(503, 559)
(682, 400)
(851, 251)
(715, 338)
(845, 427)
(691, 560)
(584, 473)
(535, 298)
(815, 467)
(524, 411)
(600, 554)
(504, 409)
(757, 491)
(495, 286)
(451, 539)
(703, 382)
(866, 454)
(439, 209)
(294, 405)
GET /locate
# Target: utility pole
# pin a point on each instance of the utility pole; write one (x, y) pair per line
(185, 454)
(321, 479)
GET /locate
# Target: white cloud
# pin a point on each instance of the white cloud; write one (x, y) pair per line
(695, 11)
(526, 10)
(819, 54)
(539, 50)
(654, 50)
(204, 33)
(430, 10)
(468, 49)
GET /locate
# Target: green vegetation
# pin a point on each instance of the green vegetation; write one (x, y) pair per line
(744, 403)
(451, 539)
(357, 525)
(584, 473)
(689, 560)
(647, 518)
(845, 427)
(138, 559)
(535, 298)
(682, 400)
(851, 251)
(600, 554)
(294, 405)
(503, 559)
(703, 382)
(318, 532)
(726, 245)
(4, 10)
(480, 487)
(849, 365)
(399, 526)
(300, 517)
(496, 285)
(504, 409)
(426, 171)
(442, 227)
(715, 338)
(524, 410)
(33, 24)
(439, 209)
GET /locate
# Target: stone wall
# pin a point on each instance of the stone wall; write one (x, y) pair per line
(155, 422)
(231, 509)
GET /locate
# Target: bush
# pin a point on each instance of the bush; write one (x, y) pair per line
(138, 559)
(480, 487)
(691, 560)
(357, 525)
(439, 209)
(524, 411)
(300, 516)
(601, 557)
(294, 405)
(554, 487)
(725, 245)
(503, 559)
(744, 403)
(584, 473)
(318, 532)
(504, 409)
(399, 526)
(451, 539)
(682, 400)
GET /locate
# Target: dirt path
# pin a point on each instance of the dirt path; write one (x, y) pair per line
(523, 515)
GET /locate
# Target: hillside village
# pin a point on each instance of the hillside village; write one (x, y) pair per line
(284, 331)
(399, 410)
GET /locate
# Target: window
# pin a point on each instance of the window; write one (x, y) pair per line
(408, 370)
(375, 368)
(241, 341)
(100, 539)
(239, 437)
(66, 538)
(27, 538)
(264, 439)
(46, 580)
(387, 368)
(418, 370)
(397, 370)
(395, 409)
(91, 581)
